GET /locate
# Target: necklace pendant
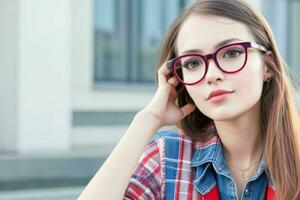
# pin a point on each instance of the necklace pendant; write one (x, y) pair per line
(246, 175)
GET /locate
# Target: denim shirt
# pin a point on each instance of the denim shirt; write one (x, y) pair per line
(174, 167)
(212, 169)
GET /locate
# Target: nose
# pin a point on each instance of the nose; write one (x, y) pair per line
(213, 74)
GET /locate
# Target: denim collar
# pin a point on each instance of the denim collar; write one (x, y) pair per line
(209, 154)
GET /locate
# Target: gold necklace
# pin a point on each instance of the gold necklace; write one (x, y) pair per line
(246, 173)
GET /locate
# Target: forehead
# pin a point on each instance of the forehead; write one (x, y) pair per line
(203, 32)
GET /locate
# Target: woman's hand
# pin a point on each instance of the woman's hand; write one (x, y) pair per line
(163, 104)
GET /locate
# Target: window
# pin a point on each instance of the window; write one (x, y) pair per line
(282, 16)
(108, 45)
(294, 40)
(127, 38)
(128, 34)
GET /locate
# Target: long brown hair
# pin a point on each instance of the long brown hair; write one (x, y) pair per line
(278, 111)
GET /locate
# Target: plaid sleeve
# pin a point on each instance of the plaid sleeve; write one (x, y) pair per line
(146, 181)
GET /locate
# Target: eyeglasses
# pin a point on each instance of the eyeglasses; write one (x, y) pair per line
(192, 68)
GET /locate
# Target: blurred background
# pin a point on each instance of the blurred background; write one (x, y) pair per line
(73, 73)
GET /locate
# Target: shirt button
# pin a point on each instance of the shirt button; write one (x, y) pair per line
(246, 190)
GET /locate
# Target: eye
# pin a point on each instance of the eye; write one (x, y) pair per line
(192, 64)
(233, 53)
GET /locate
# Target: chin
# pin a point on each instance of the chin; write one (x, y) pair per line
(223, 117)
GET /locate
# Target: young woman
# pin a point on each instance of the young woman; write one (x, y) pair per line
(222, 81)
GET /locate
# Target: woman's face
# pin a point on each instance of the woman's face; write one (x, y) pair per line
(203, 32)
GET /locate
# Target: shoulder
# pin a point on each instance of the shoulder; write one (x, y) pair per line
(173, 144)
(167, 144)
(155, 149)
(179, 135)
(161, 142)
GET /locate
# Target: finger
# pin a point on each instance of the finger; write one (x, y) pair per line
(162, 73)
(176, 94)
(173, 81)
(173, 94)
(187, 109)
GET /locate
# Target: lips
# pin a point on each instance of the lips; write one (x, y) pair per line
(218, 92)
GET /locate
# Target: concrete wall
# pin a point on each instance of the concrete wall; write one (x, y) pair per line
(35, 75)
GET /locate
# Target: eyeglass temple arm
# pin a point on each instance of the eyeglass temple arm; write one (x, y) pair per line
(170, 64)
(258, 46)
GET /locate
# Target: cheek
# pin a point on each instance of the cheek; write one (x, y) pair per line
(196, 93)
(247, 85)
(248, 92)
(250, 80)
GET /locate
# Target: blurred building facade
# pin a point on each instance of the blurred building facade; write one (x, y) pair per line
(73, 73)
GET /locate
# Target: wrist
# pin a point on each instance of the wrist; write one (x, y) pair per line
(150, 117)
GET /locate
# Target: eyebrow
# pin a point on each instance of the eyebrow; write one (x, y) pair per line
(222, 43)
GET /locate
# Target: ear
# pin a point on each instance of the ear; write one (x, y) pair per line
(268, 73)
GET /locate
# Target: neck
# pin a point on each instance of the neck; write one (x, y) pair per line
(241, 139)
